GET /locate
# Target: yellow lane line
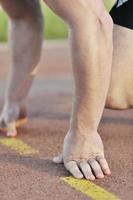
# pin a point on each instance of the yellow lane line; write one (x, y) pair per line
(86, 187)
(18, 146)
(90, 189)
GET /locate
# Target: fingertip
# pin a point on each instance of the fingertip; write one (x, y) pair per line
(72, 167)
(100, 176)
(92, 178)
(86, 170)
(78, 176)
(104, 165)
(107, 172)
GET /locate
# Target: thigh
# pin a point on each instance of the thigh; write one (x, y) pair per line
(120, 94)
(123, 48)
(76, 8)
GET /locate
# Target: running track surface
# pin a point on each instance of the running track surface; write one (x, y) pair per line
(26, 169)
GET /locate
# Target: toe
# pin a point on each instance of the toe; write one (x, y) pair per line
(11, 134)
(11, 129)
(86, 169)
(96, 169)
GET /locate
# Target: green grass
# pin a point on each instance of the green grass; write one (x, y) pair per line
(109, 3)
(3, 26)
(54, 27)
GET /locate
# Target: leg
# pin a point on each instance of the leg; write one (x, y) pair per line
(26, 40)
(90, 31)
(120, 95)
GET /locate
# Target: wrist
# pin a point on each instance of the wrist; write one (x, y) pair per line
(82, 129)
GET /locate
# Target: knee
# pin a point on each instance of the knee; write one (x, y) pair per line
(106, 23)
(23, 10)
(15, 9)
(93, 22)
(82, 14)
(116, 103)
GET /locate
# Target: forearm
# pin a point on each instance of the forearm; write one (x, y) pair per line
(92, 57)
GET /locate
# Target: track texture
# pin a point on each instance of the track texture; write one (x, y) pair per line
(37, 177)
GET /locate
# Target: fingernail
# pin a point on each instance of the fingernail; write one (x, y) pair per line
(107, 172)
(79, 176)
(100, 176)
(92, 178)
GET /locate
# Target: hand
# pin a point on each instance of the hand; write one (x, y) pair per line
(83, 155)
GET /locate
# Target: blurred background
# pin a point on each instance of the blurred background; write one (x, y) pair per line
(55, 28)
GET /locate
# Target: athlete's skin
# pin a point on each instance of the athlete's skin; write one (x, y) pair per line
(26, 36)
(120, 95)
(91, 31)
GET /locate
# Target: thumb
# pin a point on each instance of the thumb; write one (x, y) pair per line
(58, 159)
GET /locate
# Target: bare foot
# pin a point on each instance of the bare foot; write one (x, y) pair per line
(83, 156)
(13, 116)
